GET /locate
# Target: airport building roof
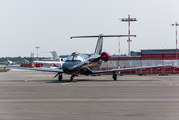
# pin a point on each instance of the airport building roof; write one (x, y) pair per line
(153, 51)
(159, 51)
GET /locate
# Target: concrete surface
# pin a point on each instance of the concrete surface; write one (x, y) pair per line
(28, 95)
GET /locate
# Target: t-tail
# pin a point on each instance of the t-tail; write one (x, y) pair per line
(7, 59)
(99, 45)
(55, 56)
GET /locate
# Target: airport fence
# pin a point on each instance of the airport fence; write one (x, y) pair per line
(146, 59)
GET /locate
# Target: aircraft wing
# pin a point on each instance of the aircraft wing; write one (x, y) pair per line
(133, 68)
(36, 69)
(49, 62)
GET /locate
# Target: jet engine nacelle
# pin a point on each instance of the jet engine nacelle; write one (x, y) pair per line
(105, 56)
(74, 53)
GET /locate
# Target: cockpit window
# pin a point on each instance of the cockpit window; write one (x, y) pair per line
(74, 58)
(69, 58)
(78, 58)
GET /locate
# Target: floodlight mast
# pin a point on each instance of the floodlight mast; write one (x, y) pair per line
(37, 52)
(176, 34)
(128, 20)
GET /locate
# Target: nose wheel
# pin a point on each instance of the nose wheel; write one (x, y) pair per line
(72, 76)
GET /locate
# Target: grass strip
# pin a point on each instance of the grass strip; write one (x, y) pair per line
(3, 70)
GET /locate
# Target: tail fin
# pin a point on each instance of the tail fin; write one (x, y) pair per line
(99, 44)
(55, 56)
(7, 59)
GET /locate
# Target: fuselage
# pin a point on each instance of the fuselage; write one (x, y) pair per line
(81, 63)
(9, 62)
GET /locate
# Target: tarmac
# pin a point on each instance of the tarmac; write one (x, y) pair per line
(31, 95)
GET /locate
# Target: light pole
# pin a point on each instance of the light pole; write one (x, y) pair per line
(119, 46)
(37, 52)
(176, 44)
(128, 20)
(176, 34)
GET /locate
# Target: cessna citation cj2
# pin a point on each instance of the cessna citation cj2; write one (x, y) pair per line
(87, 64)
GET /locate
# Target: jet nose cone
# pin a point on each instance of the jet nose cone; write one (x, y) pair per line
(70, 67)
(67, 67)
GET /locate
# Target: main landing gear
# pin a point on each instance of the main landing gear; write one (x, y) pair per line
(115, 74)
(60, 76)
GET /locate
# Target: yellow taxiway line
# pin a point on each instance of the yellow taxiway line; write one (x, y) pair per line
(37, 100)
(69, 82)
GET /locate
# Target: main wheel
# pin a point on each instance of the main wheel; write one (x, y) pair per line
(60, 77)
(114, 76)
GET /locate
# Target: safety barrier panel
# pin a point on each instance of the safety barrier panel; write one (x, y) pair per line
(146, 59)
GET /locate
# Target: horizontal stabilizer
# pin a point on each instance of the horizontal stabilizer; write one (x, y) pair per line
(101, 35)
(99, 44)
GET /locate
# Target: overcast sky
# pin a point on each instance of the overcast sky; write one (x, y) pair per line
(49, 24)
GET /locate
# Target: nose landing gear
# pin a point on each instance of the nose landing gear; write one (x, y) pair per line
(72, 76)
(60, 76)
